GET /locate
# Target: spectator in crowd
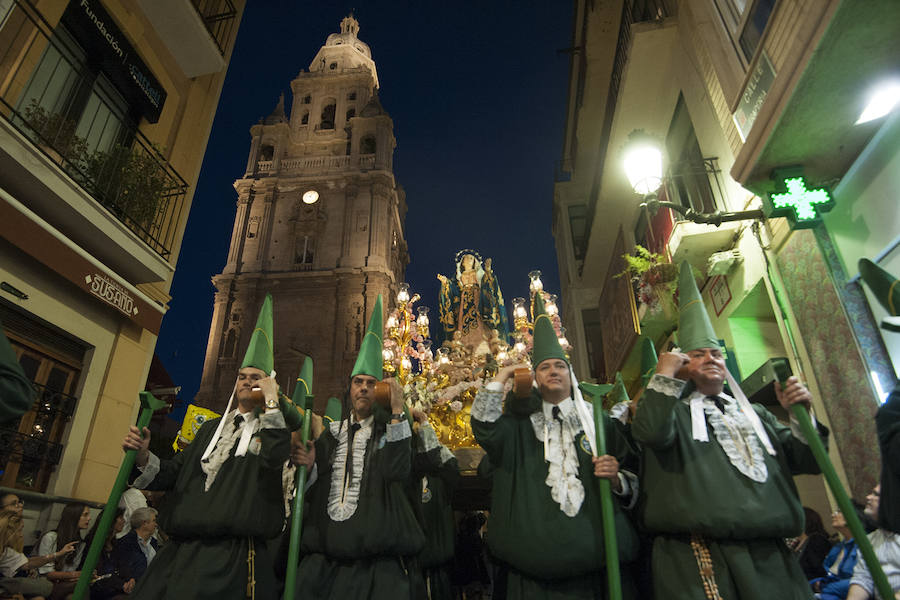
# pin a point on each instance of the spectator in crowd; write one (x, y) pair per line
(63, 570)
(838, 564)
(886, 544)
(109, 583)
(811, 546)
(135, 550)
(9, 501)
(14, 564)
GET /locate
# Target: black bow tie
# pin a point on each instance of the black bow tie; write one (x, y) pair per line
(238, 419)
(720, 404)
(556, 414)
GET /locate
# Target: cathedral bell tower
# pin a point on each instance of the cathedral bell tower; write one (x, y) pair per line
(319, 225)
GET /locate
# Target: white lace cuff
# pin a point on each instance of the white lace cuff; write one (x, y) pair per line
(148, 472)
(272, 419)
(488, 404)
(795, 427)
(446, 454)
(398, 431)
(427, 439)
(666, 385)
(630, 489)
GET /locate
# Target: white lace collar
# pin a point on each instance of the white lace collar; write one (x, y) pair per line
(733, 431)
(342, 501)
(560, 452)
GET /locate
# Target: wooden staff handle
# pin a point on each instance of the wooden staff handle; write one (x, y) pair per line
(383, 394)
(522, 383)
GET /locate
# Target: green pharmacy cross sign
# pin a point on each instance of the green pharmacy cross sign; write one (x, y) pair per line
(796, 201)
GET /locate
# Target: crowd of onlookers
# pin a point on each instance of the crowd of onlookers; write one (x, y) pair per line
(53, 566)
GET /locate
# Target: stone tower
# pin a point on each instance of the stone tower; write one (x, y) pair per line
(319, 225)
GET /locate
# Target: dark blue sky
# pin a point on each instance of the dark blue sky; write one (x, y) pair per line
(477, 92)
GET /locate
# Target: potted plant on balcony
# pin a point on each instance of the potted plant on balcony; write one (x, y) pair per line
(130, 181)
(655, 280)
(55, 134)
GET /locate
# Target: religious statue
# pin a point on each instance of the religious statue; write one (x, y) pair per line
(471, 305)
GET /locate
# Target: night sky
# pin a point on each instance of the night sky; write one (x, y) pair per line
(477, 92)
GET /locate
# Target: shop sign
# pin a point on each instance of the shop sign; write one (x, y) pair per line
(793, 198)
(106, 45)
(112, 293)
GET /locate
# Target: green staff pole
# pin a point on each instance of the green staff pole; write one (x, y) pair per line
(610, 544)
(290, 576)
(843, 500)
(149, 405)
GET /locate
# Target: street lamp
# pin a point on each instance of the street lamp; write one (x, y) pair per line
(642, 160)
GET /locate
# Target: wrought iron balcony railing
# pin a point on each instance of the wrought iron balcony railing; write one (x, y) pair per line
(218, 16)
(45, 94)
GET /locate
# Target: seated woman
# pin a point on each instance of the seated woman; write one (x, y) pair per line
(838, 564)
(812, 545)
(14, 565)
(109, 583)
(63, 570)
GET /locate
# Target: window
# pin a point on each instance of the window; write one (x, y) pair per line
(351, 113)
(689, 173)
(253, 227)
(367, 145)
(327, 120)
(351, 96)
(305, 250)
(333, 66)
(593, 337)
(307, 99)
(746, 21)
(578, 229)
(31, 447)
(230, 344)
(266, 152)
(304, 120)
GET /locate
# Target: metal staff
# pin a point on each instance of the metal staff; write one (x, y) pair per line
(149, 405)
(290, 576)
(610, 544)
(843, 500)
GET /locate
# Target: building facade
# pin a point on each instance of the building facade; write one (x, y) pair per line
(105, 112)
(319, 225)
(734, 92)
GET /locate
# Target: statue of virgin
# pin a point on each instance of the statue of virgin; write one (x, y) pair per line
(471, 305)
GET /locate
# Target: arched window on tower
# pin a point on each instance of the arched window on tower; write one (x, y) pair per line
(351, 113)
(230, 343)
(307, 99)
(327, 121)
(266, 152)
(304, 120)
(305, 251)
(367, 145)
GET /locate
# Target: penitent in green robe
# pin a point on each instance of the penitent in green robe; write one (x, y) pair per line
(436, 473)
(549, 555)
(211, 531)
(693, 488)
(372, 553)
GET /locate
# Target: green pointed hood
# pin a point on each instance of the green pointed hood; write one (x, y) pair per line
(260, 350)
(694, 327)
(333, 410)
(648, 360)
(618, 393)
(546, 344)
(594, 392)
(883, 285)
(370, 360)
(301, 401)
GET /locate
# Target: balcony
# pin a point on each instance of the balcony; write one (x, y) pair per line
(315, 164)
(196, 32)
(69, 152)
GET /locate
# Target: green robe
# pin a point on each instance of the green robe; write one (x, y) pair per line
(549, 554)
(372, 553)
(212, 531)
(440, 471)
(689, 487)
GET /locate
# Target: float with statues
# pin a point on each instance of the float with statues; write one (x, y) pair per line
(476, 341)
